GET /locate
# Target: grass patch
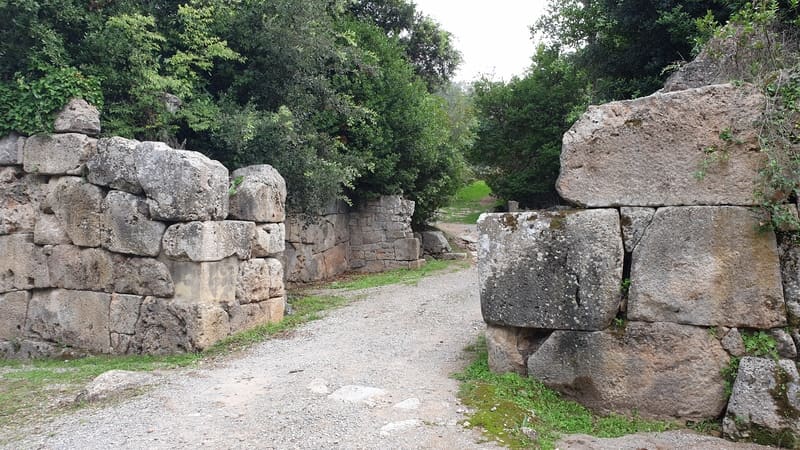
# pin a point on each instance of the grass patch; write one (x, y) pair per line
(505, 404)
(469, 202)
(404, 276)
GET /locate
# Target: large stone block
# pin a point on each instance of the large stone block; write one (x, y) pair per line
(660, 370)
(78, 206)
(765, 400)
(510, 347)
(243, 317)
(406, 249)
(182, 185)
(254, 282)
(269, 240)
(315, 230)
(551, 270)
(49, 231)
(20, 197)
(708, 266)
(435, 243)
(58, 154)
(209, 241)
(23, 265)
(129, 228)
(78, 116)
(178, 325)
(124, 313)
(74, 318)
(142, 276)
(114, 165)
(647, 151)
(205, 282)
(86, 269)
(260, 194)
(14, 306)
(634, 222)
(11, 149)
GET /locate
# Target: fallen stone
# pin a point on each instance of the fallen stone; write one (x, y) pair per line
(23, 265)
(403, 425)
(182, 185)
(129, 228)
(20, 197)
(634, 222)
(15, 308)
(82, 269)
(357, 394)
(78, 116)
(668, 440)
(269, 240)
(434, 243)
(11, 149)
(74, 318)
(550, 270)
(260, 194)
(78, 206)
(765, 402)
(707, 266)
(142, 276)
(57, 154)
(658, 370)
(114, 384)
(510, 347)
(657, 144)
(209, 241)
(409, 404)
(114, 165)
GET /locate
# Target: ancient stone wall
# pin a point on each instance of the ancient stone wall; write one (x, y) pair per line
(641, 303)
(117, 246)
(373, 237)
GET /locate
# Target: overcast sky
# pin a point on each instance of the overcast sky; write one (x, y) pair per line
(493, 36)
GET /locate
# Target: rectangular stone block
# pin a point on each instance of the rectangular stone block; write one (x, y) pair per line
(709, 266)
(114, 165)
(129, 228)
(269, 240)
(406, 249)
(124, 313)
(551, 270)
(209, 241)
(260, 195)
(23, 265)
(20, 197)
(14, 307)
(205, 282)
(58, 154)
(74, 318)
(88, 269)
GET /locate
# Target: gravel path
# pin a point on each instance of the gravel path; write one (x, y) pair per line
(374, 374)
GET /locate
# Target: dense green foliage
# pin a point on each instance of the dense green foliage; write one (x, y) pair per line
(337, 95)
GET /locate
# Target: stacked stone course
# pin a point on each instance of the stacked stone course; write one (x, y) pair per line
(638, 304)
(117, 246)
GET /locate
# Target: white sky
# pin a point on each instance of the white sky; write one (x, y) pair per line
(493, 36)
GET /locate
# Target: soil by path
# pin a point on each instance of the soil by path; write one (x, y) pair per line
(313, 389)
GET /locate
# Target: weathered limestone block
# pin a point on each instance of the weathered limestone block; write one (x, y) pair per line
(510, 347)
(142, 276)
(182, 185)
(658, 369)
(209, 241)
(277, 308)
(318, 231)
(784, 344)
(114, 165)
(341, 227)
(14, 306)
(634, 222)
(260, 196)
(160, 329)
(23, 265)
(49, 231)
(335, 260)
(83, 269)
(58, 154)
(269, 240)
(246, 316)
(78, 206)
(434, 243)
(206, 324)
(75, 318)
(765, 400)
(28, 349)
(657, 144)
(20, 197)
(406, 249)
(708, 266)
(301, 264)
(732, 342)
(790, 272)
(205, 282)
(254, 281)
(11, 149)
(550, 270)
(129, 228)
(124, 313)
(78, 116)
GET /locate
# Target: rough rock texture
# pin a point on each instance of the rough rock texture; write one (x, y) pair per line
(78, 116)
(707, 266)
(20, 197)
(23, 265)
(668, 440)
(381, 237)
(85, 269)
(114, 165)
(790, 271)
(634, 223)
(57, 154)
(129, 228)
(11, 149)
(209, 241)
(765, 400)
(78, 206)
(15, 307)
(269, 240)
(434, 243)
(182, 185)
(49, 231)
(142, 276)
(657, 144)
(658, 369)
(550, 270)
(509, 348)
(124, 313)
(207, 282)
(75, 318)
(784, 344)
(115, 383)
(732, 342)
(260, 196)
(259, 280)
